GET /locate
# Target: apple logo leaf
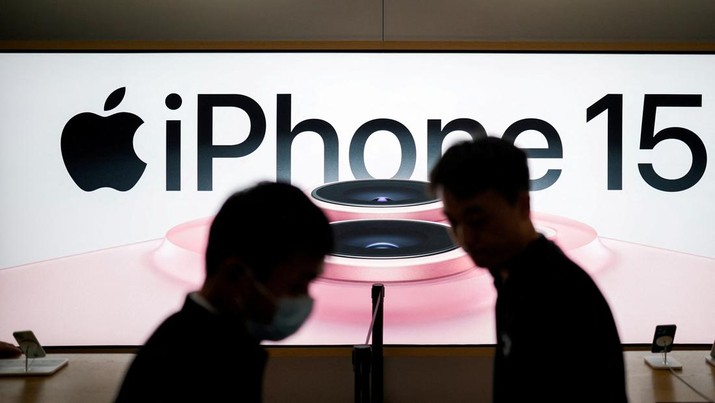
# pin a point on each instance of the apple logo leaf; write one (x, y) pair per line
(115, 98)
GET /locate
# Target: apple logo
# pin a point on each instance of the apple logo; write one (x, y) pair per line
(99, 151)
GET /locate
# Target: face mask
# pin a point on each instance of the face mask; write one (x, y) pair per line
(291, 313)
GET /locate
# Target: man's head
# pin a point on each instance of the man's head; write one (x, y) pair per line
(484, 186)
(266, 243)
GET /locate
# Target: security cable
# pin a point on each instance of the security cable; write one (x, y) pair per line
(710, 400)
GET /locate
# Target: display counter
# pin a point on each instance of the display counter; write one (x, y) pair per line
(325, 374)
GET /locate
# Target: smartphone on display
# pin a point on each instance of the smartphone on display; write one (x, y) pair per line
(663, 338)
(29, 344)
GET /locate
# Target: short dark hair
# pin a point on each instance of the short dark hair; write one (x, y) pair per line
(471, 167)
(266, 225)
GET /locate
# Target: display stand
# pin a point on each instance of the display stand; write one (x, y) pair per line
(663, 341)
(662, 361)
(35, 362)
(33, 367)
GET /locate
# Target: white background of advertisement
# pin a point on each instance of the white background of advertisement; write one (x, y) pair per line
(106, 256)
(45, 215)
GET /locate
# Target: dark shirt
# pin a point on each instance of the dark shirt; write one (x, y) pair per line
(196, 355)
(557, 340)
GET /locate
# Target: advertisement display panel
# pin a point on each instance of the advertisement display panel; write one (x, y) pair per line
(113, 165)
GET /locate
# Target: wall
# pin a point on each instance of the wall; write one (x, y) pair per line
(554, 21)
(607, 24)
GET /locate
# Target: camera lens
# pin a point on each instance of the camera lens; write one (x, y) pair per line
(390, 238)
(378, 198)
(382, 245)
(393, 250)
(375, 192)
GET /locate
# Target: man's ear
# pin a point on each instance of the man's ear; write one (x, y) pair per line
(524, 202)
(234, 269)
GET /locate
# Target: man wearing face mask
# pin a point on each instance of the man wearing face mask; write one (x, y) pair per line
(266, 245)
